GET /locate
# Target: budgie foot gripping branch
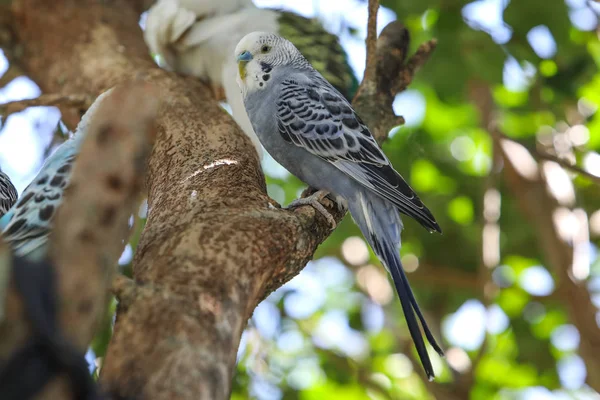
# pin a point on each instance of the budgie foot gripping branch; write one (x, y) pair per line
(205, 261)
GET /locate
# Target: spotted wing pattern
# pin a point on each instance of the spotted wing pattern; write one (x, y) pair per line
(316, 117)
(31, 217)
(8, 193)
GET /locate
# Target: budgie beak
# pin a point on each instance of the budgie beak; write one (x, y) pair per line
(243, 59)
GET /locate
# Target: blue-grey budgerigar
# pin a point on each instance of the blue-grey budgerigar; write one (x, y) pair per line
(27, 225)
(312, 130)
(8, 193)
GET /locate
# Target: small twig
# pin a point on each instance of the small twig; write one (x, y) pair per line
(376, 94)
(415, 62)
(371, 41)
(565, 164)
(549, 157)
(55, 99)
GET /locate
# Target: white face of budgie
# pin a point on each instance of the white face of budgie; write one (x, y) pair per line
(258, 54)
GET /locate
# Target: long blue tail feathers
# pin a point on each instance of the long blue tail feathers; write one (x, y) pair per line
(381, 225)
(410, 307)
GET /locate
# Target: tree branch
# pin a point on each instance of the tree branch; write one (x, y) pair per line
(376, 94)
(415, 62)
(567, 165)
(91, 224)
(80, 101)
(371, 42)
(541, 155)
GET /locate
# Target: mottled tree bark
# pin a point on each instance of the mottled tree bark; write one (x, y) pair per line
(213, 245)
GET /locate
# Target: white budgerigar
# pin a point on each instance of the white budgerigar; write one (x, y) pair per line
(311, 129)
(28, 223)
(8, 193)
(197, 37)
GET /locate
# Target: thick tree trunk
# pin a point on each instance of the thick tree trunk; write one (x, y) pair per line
(213, 247)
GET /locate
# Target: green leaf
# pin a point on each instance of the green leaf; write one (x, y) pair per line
(460, 209)
(503, 373)
(553, 318)
(426, 177)
(512, 301)
(523, 15)
(330, 390)
(507, 98)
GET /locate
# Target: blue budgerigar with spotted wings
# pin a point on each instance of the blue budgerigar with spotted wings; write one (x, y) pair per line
(310, 128)
(28, 222)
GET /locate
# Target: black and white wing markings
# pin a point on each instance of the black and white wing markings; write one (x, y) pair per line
(8, 193)
(33, 213)
(319, 119)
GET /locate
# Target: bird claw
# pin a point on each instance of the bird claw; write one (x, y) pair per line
(315, 201)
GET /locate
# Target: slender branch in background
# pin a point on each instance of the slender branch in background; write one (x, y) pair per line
(71, 109)
(490, 232)
(371, 42)
(565, 164)
(541, 155)
(91, 224)
(529, 186)
(542, 209)
(80, 101)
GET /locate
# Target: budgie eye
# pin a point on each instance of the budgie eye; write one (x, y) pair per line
(265, 48)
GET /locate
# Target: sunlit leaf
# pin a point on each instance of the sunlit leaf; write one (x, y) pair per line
(460, 209)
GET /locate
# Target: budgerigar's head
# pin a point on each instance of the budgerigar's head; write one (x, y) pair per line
(258, 54)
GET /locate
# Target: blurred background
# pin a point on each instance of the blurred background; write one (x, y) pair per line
(501, 141)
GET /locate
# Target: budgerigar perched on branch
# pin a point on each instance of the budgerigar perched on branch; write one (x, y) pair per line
(311, 129)
(8, 193)
(28, 223)
(197, 37)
